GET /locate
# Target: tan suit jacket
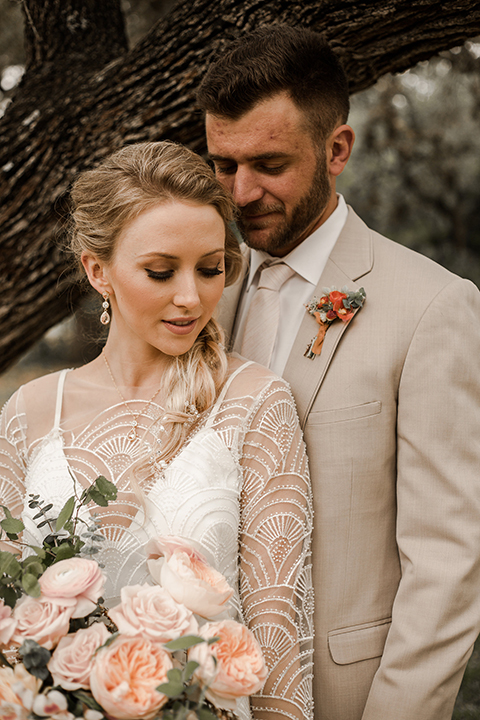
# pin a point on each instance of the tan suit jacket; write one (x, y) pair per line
(391, 415)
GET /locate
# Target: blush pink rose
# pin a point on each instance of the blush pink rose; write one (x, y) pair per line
(240, 669)
(76, 582)
(40, 620)
(151, 612)
(125, 675)
(72, 661)
(7, 624)
(187, 576)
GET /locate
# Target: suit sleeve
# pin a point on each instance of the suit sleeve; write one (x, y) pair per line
(436, 613)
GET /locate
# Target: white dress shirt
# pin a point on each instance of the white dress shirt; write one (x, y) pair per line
(308, 260)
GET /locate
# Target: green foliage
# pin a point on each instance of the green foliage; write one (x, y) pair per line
(68, 535)
(184, 643)
(414, 174)
(186, 695)
(467, 706)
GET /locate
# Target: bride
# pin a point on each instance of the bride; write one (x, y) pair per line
(200, 444)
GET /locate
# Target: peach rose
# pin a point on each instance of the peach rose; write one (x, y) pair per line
(187, 576)
(240, 668)
(7, 624)
(72, 661)
(40, 620)
(125, 675)
(76, 582)
(151, 612)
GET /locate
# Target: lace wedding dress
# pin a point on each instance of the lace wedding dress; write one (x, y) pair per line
(239, 487)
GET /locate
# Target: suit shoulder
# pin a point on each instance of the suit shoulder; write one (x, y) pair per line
(397, 259)
(401, 266)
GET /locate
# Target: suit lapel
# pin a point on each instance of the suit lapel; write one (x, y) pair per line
(351, 258)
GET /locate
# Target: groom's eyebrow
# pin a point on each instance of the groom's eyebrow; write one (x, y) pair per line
(261, 156)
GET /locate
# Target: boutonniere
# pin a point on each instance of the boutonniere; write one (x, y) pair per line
(332, 305)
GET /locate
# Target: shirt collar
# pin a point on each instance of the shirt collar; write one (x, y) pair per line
(303, 258)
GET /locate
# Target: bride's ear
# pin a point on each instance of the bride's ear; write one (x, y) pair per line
(95, 271)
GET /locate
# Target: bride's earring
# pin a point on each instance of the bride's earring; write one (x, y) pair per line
(105, 316)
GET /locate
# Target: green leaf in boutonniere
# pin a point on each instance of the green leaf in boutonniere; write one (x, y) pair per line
(333, 305)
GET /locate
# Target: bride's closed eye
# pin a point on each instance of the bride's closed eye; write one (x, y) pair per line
(167, 274)
(212, 271)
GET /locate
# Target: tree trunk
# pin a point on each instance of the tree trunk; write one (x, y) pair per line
(83, 95)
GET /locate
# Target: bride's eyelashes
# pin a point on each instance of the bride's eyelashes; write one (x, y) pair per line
(159, 275)
(167, 274)
(212, 272)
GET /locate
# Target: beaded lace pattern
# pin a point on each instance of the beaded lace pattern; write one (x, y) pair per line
(239, 486)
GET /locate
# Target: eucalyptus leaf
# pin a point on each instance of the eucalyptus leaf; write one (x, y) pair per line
(65, 513)
(212, 640)
(9, 565)
(40, 552)
(33, 566)
(185, 642)
(175, 675)
(63, 552)
(68, 527)
(12, 525)
(31, 585)
(171, 689)
(205, 714)
(189, 669)
(97, 497)
(106, 487)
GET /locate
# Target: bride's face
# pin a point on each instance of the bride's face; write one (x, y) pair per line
(166, 276)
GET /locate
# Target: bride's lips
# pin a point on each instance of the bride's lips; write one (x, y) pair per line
(180, 326)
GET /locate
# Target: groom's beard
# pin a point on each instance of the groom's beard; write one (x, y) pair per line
(289, 230)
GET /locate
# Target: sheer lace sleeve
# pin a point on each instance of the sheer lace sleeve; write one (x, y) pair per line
(12, 456)
(275, 568)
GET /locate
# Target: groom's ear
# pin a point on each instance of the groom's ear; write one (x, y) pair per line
(95, 270)
(339, 148)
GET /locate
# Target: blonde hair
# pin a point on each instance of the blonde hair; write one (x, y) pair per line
(125, 184)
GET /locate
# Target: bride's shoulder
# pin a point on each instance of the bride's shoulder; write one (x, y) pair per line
(251, 377)
(36, 396)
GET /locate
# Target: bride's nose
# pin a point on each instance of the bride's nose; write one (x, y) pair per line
(186, 293)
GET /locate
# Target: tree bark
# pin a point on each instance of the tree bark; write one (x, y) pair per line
(83, 95)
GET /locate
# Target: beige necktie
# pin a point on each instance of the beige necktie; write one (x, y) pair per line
(264, 314)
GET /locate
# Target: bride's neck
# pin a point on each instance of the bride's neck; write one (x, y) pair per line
(133, 370)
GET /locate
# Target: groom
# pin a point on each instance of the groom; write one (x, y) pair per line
(391, 405)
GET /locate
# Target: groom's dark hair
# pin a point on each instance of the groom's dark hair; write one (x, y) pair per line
(274, 59)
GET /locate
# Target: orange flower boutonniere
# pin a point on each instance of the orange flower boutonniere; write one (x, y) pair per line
(332, 305)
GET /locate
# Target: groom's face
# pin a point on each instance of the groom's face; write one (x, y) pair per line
(277, 175)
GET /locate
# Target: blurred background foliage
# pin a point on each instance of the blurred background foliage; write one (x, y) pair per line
(414, 176)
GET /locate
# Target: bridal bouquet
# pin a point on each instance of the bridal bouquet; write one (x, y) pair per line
(160, 653)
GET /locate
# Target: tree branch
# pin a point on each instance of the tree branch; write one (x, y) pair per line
(83, 96)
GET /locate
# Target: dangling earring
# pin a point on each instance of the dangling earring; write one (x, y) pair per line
(105, 316)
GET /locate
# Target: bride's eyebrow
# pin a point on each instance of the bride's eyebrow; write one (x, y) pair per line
(168, 256)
